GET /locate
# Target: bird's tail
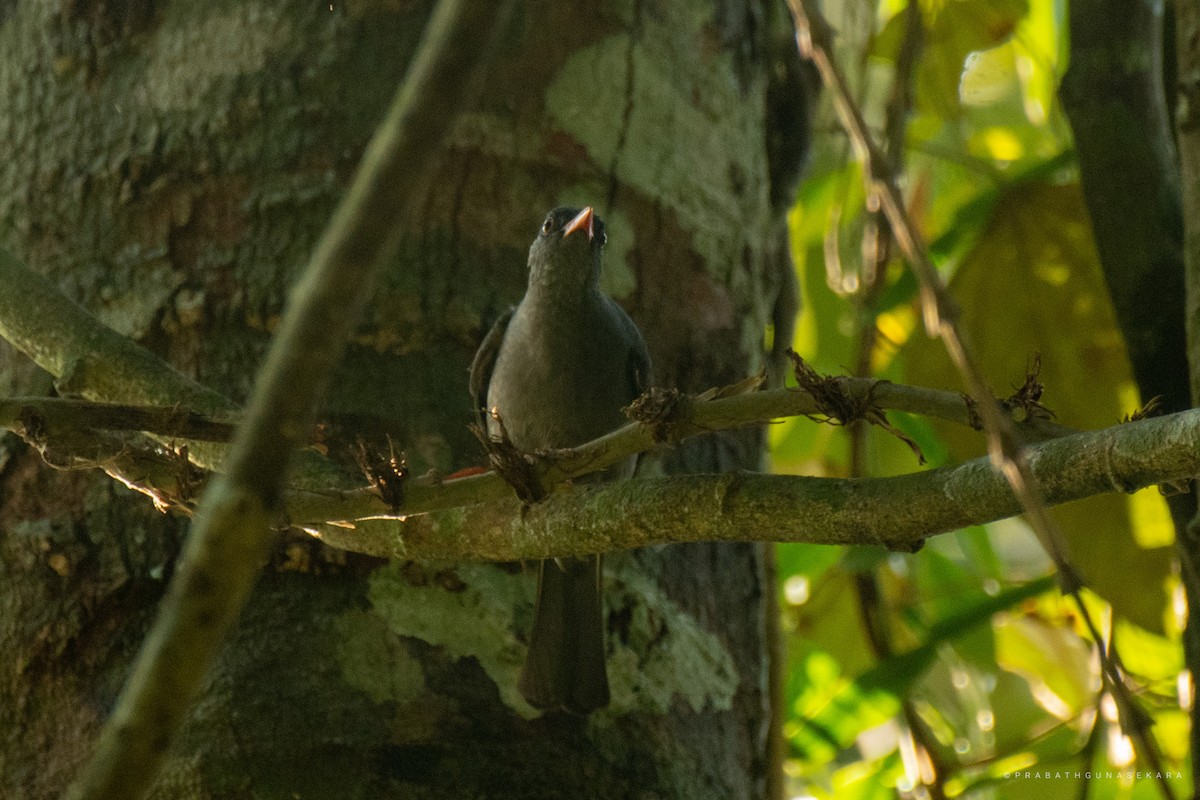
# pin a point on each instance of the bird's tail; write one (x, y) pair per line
(565, 665)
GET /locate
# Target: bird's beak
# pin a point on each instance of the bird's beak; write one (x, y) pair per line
(583, 220)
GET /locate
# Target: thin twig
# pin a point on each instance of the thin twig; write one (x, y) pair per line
(941, 316)
(231, 534)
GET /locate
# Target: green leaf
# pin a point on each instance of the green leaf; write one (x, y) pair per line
(1060, 667)
(1020, 720)
(833, 719)
(810, 560)
(956, 29)
(1032, 284)
(976, 546)
(1148, 656)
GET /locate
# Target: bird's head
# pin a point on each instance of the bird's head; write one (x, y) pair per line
(565, 256)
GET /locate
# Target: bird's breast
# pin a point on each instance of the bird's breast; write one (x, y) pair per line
(560, 378)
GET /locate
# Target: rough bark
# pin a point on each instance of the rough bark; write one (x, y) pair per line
(1118, 106)
(1187, 68)
(170, 165)
(1114, 97)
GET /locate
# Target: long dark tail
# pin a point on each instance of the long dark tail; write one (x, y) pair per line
(565, 665)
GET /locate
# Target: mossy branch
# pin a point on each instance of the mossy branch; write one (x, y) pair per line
(897, 512)
(478, 518)
(89, 359)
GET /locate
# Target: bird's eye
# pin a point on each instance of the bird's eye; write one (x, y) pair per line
(547, 226)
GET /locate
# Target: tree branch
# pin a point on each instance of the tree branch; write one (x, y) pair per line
(47, 417)
(230, 536)
(59, 428)
(90, 359)
(87, 357)
(897, 512)
(477, 518)
(140, 391)
(692, 416)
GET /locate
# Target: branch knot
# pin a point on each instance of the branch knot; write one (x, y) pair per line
(386, 474)
(662, 411)
(838, 406)
(516, 467)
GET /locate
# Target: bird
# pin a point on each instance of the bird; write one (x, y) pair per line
(555, 371)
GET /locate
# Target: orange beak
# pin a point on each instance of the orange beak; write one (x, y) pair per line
(583, 220)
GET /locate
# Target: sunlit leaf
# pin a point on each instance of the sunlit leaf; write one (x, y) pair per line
(1032, 284)
(988, 76)
(1060, 668)
(1021, 722)
(1148, 656)
(1041, 60)
(834, 718)
(1154, 527)
(957, 29)
(868, 780)
(1171, 731)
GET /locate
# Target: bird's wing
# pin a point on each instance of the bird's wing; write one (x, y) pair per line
(640, 373)
(638, 370)
(483, 364)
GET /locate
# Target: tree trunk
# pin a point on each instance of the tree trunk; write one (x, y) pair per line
(170, 165)
(1115, 98)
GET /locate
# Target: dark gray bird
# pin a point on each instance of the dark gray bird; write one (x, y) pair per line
(557, 370)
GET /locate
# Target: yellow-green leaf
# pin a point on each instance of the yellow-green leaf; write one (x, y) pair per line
(1032, 284)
